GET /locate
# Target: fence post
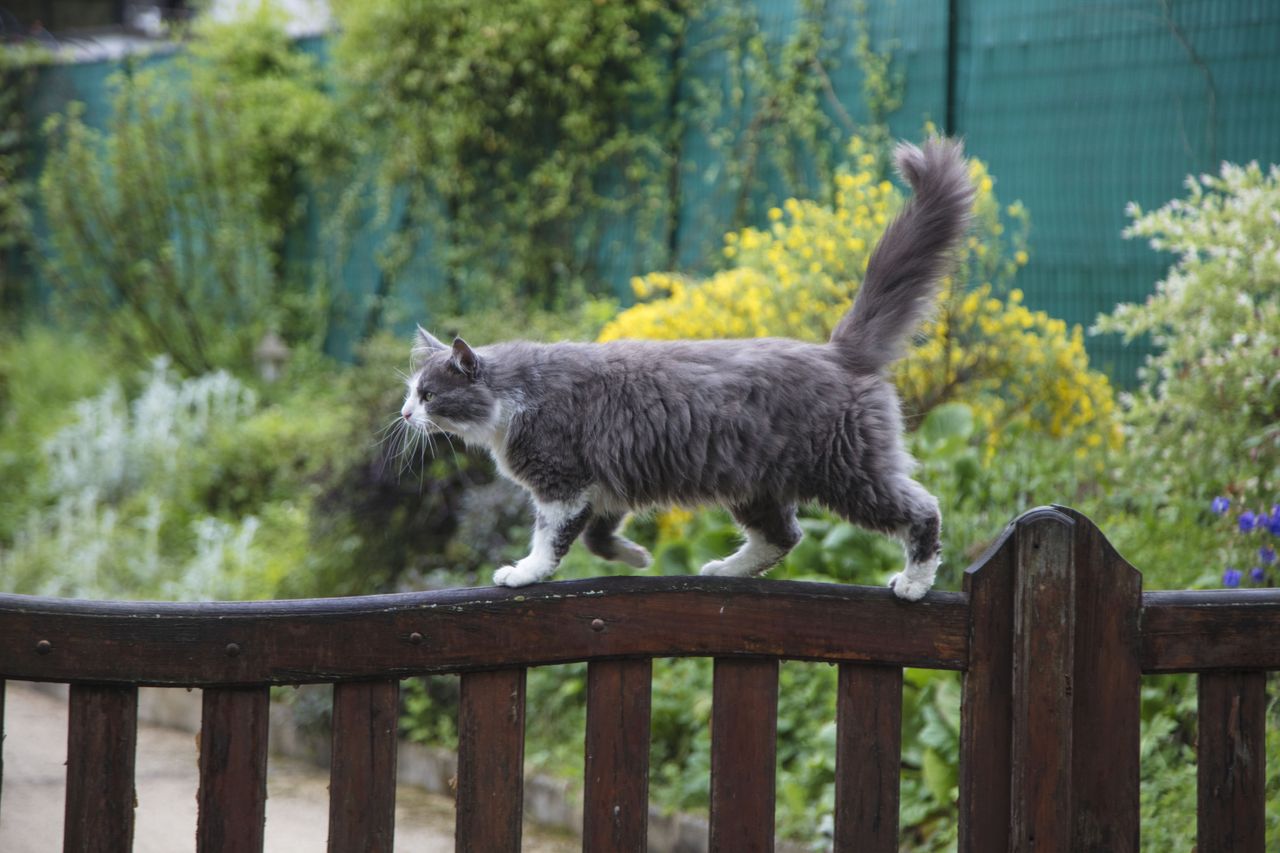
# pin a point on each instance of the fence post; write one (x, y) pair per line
(1052, 691)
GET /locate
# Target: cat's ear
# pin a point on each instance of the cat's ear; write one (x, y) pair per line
(465, 359)
(423, 343)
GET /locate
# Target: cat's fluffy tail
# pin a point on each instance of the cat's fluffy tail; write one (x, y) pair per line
(915, 252)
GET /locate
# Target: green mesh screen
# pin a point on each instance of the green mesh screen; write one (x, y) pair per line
(1078, 108)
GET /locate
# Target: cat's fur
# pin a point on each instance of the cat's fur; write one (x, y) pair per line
(594, 431)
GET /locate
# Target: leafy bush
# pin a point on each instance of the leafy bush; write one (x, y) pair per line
(17, 73)
(1019, 370)
(508, 131)
(114, 482)
(167, 228)
(1216, 320)
(42, 372)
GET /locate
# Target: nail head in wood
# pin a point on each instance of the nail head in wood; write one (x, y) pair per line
(597, 624)
(415, 638)
(233, 650)
(44, 647)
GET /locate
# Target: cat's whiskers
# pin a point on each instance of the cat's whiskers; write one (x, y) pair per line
(409, 449)
(388, 433)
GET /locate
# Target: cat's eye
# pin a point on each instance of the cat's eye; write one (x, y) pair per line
(428, 396)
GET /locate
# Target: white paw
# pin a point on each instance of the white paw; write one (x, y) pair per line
(721, 568)
(523, 573)
(906, 588)
(632, 554)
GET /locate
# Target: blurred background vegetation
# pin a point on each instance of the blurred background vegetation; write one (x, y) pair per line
(210, 256)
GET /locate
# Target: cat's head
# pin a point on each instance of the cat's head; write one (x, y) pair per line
(447, 390)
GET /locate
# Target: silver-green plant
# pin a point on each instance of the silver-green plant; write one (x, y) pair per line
(1206, 419)
(114, 483)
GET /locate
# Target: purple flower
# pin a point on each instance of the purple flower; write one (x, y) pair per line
(1273, 523)
(1257, 574)
(1267, 554)
(1248, 521)
(1220, 505)
(1231, 578)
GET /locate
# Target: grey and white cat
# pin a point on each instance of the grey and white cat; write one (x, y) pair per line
(594, 431)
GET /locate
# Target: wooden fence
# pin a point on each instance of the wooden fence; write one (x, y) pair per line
(1052, 633)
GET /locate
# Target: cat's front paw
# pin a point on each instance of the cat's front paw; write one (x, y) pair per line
(906, 588)
(721, 568)
(523, 573)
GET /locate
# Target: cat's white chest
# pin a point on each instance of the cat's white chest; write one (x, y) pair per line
(498, 451)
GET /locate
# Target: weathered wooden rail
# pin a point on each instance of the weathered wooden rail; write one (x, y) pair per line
(1052, 634)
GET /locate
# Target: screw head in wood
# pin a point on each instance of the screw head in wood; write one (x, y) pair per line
(44, 647)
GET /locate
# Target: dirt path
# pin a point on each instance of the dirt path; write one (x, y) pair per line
(35, 729)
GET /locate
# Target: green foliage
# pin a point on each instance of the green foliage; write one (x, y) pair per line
(17, 73)
(114, 502)
(506, 130)
(167, 228)
(153, 485)
(770, 112)
(1168, 762)
(504, 322)
(1216, 319)
(42, 373)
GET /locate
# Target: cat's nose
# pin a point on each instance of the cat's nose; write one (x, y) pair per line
(408, 414)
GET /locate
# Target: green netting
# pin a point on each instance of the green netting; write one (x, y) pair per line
(1078, 108)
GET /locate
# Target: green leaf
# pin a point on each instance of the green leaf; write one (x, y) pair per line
(947, 428)
(939, 776)
(840, 536)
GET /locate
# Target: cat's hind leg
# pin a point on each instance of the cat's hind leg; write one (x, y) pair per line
(602, 539)
(921, 537)
(905, 510)
(771, 532)
(556, 525)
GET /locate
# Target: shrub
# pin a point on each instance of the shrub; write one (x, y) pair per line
(1215, 318)
(1019, 370)
(42, 373)
(167, 228)
(508, 132)
(17, 74)
(114, 486)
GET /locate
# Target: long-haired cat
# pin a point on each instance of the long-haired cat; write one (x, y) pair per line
(594, 431)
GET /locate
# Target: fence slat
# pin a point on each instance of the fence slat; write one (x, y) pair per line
(986, 702)
(362, 773)
(616, 798)
(233, 769)
(1043, 663)
(102, 732)
(1231, 805)
(1, 741)
(490, 761)
(744, 725)
(868, 758)
(1106, 699)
